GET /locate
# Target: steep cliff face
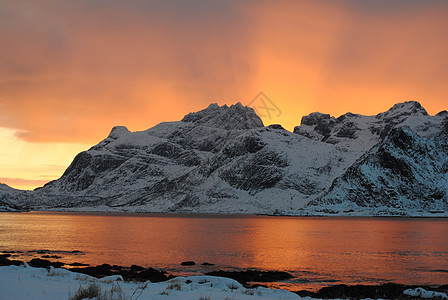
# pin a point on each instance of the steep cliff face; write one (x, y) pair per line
(359, 133)
(404, 173)
(222, 159)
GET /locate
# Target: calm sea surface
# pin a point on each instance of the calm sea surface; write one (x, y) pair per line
(317, 251)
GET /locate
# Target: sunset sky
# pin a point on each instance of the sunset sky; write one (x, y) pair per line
(71, 70)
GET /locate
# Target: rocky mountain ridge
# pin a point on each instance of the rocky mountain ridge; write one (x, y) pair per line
(224, 160)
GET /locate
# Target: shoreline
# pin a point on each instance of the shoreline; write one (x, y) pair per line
(228, 215)
(246, 278)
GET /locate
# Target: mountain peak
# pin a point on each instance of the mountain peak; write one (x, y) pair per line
(404, 109)
(314, 118)
(118, 131)
(235, 117)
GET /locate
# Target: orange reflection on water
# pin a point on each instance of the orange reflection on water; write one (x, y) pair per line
(318, 251)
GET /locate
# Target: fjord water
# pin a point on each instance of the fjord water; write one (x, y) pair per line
(317, 251)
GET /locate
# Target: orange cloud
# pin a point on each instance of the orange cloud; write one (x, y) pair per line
(70, 71)
(359, 56)
(390, 58)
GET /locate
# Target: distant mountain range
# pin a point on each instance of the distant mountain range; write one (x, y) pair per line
(223, 160)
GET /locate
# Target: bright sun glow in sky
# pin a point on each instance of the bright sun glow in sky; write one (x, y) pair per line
(71, 70)
(39, 162)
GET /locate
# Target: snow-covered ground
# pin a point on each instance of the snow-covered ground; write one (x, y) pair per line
(422, 293)
(25, 282)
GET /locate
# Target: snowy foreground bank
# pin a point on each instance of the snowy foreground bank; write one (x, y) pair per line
(25, 282)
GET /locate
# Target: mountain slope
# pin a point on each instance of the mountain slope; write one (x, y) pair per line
(405, 173)
(9, 198)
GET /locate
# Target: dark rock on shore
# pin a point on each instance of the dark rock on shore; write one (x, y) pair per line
(137, 268)
(384, 291)
(136, 273)
(44, 263)
(77, 264)
(187, 263)
(153, 275)
(98, 271)
(51, 256)
(252, 275)
(7, 262)
(207, 264)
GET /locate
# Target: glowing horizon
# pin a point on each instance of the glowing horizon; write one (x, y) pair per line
(70, 71)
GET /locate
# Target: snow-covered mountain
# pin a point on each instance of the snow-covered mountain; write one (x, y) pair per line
(404, 173)
(223, 160)
(9, 198)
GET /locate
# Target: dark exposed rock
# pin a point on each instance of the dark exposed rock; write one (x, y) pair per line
(445, 125)
(300, 183)
(207, 264)
(248, 144)
(261, 171)
(51, 256)
(57, 264)
(252, 275)
(299, 130)
(188, 263)
(77, 264)
(137, 268)
(153, 275)
(383, 291)
(324, 127)
(252, 178)
(44, 263)
(85, 168)
(7, 262)
(348, 130)
(81, 161)
(276, 126)
(388, 161)
(116, 267)
(98, 271)
(314, 118)
(134, 273)
(169, 150)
